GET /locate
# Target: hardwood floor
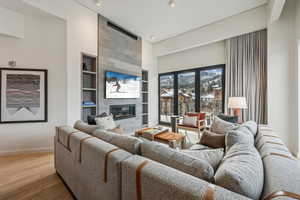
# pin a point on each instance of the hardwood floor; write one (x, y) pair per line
(31, 177)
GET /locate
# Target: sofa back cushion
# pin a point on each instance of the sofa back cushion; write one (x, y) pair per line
(251, 126)
(242, 171)
(84, 127)
(196, 167)
(126, 142)
(221, 127)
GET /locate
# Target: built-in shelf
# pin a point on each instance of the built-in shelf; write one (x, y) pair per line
(145, 117)
(88, 86)
(90, 89)
(89, 72)
(94, 106)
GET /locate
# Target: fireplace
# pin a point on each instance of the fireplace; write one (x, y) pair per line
(123, 111)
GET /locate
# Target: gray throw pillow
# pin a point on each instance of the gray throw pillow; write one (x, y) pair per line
(199, 168)
(238, 136)
(242, 171)
(212, 156)
(213, 140)
(84, 127)
(220, 126)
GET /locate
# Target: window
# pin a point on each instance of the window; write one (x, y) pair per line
(166, 97)
(186, 92)
(211, 90)
(197, 90)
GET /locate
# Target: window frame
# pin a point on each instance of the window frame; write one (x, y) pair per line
(197, 88)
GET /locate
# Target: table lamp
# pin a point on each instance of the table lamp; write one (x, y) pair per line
(237, 104)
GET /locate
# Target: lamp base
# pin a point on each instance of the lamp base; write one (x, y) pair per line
(238, 113)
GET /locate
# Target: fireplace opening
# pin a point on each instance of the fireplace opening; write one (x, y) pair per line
(120, 112)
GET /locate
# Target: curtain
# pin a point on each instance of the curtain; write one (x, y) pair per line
(246, 73)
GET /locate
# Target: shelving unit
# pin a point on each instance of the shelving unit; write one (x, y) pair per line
(89, 86)
(145, 117)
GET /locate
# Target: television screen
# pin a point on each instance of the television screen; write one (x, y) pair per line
(120, 85)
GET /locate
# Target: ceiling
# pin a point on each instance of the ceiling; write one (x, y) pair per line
(156, 18)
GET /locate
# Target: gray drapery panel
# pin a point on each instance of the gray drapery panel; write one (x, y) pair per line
(246, 73)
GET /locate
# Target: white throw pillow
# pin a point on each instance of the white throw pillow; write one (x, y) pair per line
(190, 121)
(106, 122)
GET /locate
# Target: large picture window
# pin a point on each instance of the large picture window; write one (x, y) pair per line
(197, 90)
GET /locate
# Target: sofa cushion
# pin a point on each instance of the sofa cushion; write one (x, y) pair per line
(212, 156)
(84, 127)
(241, 171)
(238, 136)
(212, 139)
(127, 142)
(196, 167)
(252, 126)
(220, 126)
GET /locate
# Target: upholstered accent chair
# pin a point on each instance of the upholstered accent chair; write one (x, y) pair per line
(201, 123)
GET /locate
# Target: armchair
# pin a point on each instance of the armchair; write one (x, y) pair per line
(201, 123)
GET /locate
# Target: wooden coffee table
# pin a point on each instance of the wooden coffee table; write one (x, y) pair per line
(174, 140)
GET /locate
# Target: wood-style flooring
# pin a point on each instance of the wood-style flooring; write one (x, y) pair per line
(31, 177)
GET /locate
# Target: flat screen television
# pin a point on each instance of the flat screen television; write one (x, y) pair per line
(121, 86)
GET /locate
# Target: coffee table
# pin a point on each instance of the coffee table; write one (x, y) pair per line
(174, 140)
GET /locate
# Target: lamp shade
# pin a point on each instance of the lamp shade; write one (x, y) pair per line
(237, 102)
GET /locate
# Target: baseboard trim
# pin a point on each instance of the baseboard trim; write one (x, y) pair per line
(26, 151)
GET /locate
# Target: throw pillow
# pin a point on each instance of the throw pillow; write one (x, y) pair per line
(190, 121)
(242, 171)
(199, 168)
(221, 127)
(212, 139)
(212, 156)
(238, 136)
(106, 122)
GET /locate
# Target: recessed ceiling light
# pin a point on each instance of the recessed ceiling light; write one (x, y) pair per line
(98, 3)
(172, 3)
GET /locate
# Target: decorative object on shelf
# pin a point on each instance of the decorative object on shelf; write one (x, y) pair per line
(237, 104)
(84, 67)
(23, 95)
(12, 63)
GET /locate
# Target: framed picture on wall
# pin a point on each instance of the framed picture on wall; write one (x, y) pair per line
(23, 95)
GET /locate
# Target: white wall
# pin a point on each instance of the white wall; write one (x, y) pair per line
(246, 22)
(207, 55)
(149, 62)
(282, 76)
(44, 46)
(11, 23)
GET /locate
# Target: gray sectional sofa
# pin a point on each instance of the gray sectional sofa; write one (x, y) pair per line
(101, 165)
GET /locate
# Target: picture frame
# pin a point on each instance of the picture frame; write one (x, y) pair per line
(23, 95)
